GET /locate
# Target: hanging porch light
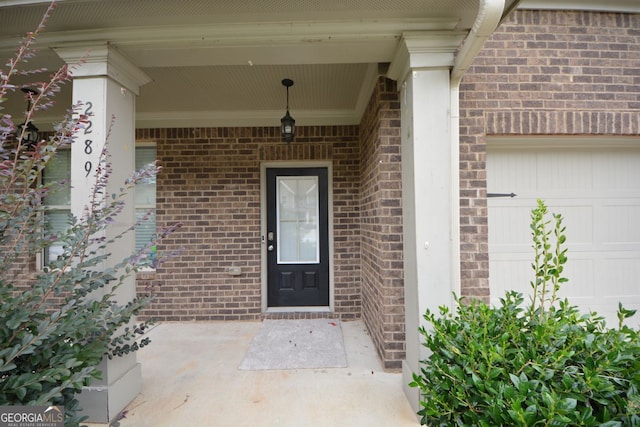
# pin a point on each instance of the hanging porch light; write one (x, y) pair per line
(288, 123)
(27, 130)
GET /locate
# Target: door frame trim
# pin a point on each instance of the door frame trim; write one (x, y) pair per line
(263, 230)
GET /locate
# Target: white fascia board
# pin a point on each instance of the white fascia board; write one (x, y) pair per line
(243, 34)
(627, 6)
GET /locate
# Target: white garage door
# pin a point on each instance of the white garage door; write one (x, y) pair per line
(598, 193)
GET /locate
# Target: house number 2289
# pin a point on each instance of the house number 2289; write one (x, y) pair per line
(88, 149)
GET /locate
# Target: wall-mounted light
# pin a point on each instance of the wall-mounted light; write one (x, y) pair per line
(288, 123)
(28, 131)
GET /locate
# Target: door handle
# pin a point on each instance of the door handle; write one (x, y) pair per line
(270, 248)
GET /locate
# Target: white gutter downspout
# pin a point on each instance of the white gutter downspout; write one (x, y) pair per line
(490, 13)
(488, 19)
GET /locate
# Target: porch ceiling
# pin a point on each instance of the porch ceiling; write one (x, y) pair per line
(220, 63)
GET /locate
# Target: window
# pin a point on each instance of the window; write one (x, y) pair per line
(59, 201)
(145, 199)
(298, 220)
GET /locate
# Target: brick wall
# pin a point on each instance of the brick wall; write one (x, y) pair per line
(381, 229)
(542, 73)
(210, 183)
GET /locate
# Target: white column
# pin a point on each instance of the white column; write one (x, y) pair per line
(429, 186)
(106, 84)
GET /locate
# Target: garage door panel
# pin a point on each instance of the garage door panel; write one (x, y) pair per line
(618, 276)
(564, 171)
(517, 273)
(620, 224)
(608, 308)
(618, 172)
(510, 275)
(509, 223)
(513, 230)
(510, 169)
(597, 191)
(580, 234)
(580, 271)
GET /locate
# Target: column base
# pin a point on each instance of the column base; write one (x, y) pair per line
(103, 403)
(411, 393)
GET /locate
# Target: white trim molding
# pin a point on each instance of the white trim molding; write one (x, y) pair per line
(627, 6)
(515, 142)
(264, 165)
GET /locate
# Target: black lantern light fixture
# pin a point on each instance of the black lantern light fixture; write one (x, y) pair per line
(288, 123)
(28, 131)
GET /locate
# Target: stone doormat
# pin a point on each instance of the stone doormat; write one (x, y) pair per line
(296, 344)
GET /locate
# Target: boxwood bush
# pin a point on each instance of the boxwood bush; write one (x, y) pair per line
(539, 363)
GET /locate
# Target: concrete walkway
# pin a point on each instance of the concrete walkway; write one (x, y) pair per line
(191, 378)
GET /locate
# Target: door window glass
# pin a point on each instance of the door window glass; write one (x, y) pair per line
(297, 220)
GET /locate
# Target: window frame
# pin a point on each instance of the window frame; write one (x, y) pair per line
(42, 258)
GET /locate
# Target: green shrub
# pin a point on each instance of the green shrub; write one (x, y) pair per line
(58, 323)
(540, 364)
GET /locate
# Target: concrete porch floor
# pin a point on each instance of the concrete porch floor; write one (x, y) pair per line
(190, 377)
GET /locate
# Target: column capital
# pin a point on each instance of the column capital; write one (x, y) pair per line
(424, 49)
(102, 59)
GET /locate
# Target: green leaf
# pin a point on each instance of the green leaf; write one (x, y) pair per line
(569, 404)
(13, 324)
(8, 367)
(611, 423)
(514, 379)
(21, 392)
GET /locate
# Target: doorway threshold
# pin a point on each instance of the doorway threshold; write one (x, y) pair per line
(276, 313)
